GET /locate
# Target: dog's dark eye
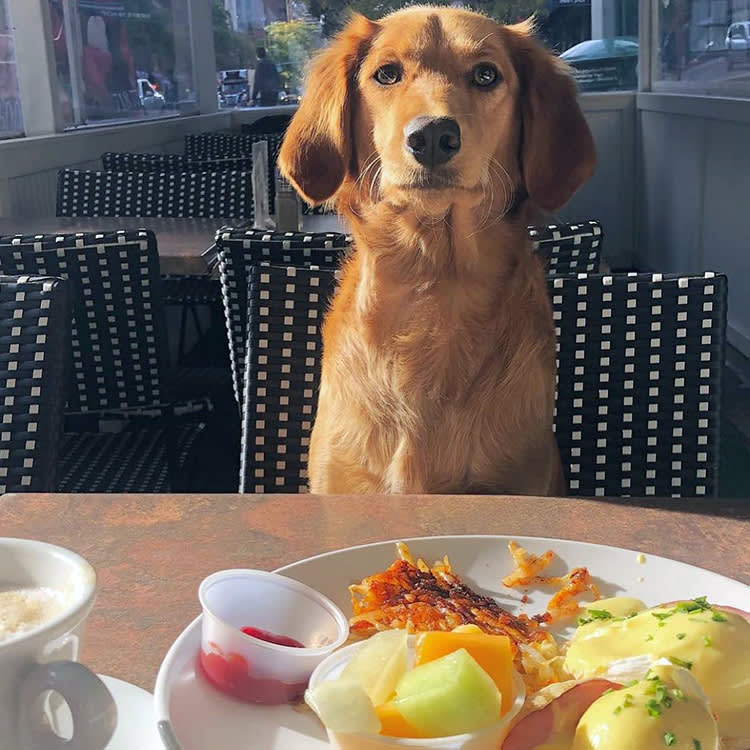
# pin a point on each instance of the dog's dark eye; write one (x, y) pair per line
(387, 75)
(484, 75)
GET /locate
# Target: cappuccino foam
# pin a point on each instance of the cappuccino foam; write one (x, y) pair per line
(25, 609)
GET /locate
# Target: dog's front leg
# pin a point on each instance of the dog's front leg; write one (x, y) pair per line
(404, 475)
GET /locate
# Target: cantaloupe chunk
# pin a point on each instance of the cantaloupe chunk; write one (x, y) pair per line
(393, 723)
(493, 653)
(447, 696)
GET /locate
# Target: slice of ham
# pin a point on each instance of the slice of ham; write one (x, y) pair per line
(560, 716)
(740, 612)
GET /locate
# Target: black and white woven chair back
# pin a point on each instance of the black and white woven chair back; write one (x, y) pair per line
(34, 332)
(640, 360)
(230, 145)
(569, 248)
(135, 162)
(225, 193)
(267, 125)
(286, 306)
(118, 347)
(218, 146)
(238, 251)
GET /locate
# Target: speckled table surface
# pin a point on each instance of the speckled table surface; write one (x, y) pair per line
(151, 551)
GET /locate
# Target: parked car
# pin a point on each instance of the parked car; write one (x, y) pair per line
(738, 43)
(604, 64)
(234, 88)
(151, 99)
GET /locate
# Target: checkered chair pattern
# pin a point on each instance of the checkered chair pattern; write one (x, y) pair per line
(238, 251)
(218, 146)
(226, 193)
(569, 248)
(34, 333)
(134, 162)
(269, 124)
(285, 311)
(118, 357)
(640, 360)
(639, 380)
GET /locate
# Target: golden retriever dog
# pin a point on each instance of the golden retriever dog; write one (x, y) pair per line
(435, 131)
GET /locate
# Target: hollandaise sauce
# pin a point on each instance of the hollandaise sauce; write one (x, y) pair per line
(712, 643)
(651, 713)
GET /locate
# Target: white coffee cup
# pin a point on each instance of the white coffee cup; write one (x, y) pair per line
(43, 658)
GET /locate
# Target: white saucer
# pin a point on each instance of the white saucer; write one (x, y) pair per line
(136, 723)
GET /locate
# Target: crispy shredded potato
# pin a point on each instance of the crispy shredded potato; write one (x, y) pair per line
(413, 595)
(526, 573)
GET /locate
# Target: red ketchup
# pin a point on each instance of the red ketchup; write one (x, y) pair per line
(279, 640)
(232, 674)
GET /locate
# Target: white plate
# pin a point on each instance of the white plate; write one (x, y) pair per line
(194, 716)
(135, 717)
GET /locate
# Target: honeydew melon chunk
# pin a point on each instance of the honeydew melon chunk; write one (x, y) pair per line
(343, 706)
(447, 696)
(379, 664)
(493, 653)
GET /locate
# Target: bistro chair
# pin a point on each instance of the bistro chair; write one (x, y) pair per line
(135, 162)
(238, 251)
(640, 362)
(117, 367)
(34, 338)
(268, 124)
(640, 358)
(569, 248)
(226, 193)
(226, 146)
(286, 305)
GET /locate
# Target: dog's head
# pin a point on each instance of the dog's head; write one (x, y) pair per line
(440, 104)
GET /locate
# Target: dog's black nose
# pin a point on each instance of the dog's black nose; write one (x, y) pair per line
(433, 140)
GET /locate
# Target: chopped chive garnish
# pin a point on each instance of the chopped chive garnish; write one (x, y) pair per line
(653, 708)
(649, 637)
(706, 640)
(618, 709)
(699, 604)
(677, 693)
(680, 636)
(669, 738)
(718, 617)
(661, 615)
(681, 662)
(696, 744)
(594, 614)
(628, 702)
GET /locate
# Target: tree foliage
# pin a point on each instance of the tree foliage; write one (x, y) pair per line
(335, 13)
(290, 45)
(233, 48)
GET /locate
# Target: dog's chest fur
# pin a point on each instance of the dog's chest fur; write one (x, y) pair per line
(426, 363)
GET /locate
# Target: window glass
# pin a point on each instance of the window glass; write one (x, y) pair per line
(267, 46)
(11, 118)
(122, 59)
(598, 39)
(290, 31)
(704, 47)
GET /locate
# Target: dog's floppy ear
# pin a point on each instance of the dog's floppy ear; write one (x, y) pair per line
(317, 151)
(557, 150)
